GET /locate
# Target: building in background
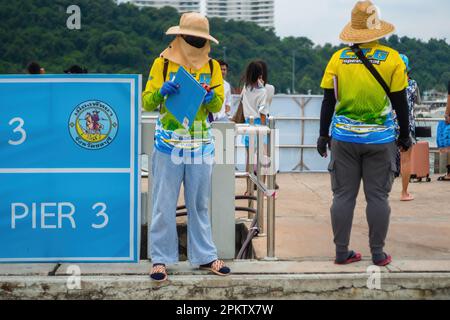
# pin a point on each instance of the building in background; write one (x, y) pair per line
(181, 6)
(260, 12)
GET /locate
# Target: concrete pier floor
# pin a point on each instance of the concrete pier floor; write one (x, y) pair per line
(419, 230)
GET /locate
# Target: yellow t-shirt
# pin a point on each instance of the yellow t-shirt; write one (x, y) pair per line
(360, 96)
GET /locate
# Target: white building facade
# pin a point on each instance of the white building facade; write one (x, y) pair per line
(181, 6)
(260, 12)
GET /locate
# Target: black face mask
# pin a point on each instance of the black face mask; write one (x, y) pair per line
(195, 41)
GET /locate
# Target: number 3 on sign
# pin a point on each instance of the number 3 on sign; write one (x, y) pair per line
(18, 129)
(101, 213)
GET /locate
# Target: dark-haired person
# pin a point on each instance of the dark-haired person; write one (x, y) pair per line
(35, 68)
(76, 69)
(270, 93)
(254, 95)
(183, 156)
(413, 98)
(254, 102)
(224, 113)
(363, 130)
(447, 120)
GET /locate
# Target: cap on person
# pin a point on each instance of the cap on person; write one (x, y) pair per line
(365, 25)
(406, 61)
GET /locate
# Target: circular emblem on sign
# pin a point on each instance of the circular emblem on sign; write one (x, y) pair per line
(93, 125)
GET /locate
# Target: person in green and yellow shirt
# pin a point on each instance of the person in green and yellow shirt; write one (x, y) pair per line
(183, 155)
(363, 137)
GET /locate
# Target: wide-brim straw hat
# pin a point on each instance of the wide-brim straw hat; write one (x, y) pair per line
(365, 25)
(193, 24)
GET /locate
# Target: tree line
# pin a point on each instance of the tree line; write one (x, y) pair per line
(125, 39)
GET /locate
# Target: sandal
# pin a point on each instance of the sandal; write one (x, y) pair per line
(407, 198)
(352, 258)
(443, 178)
(159, 273)
(218, 267)
(383, 263)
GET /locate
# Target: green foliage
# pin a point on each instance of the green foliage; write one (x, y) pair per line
(124, 39)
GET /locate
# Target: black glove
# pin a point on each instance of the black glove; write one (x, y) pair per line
(404, 143)
(322, 144)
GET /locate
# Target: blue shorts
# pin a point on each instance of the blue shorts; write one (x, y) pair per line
(246, 138)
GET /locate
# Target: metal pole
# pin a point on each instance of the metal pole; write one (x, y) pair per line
(250, 163)
(260, 195)
(271, 186)
(293, 72)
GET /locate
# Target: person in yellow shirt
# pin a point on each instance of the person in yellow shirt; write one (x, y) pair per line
(358, 106)
(183, 155)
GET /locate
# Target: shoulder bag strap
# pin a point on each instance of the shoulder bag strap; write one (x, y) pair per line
(360, 54)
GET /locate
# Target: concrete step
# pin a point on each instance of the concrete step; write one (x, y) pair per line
(239, 267)
(250, 280)
(200, 287)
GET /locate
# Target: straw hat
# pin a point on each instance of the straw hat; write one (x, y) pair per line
(365, 25)
(193, 24)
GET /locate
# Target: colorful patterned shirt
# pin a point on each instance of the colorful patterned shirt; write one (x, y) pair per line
(412, 94)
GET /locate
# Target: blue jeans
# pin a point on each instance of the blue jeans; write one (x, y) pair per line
(163, 237)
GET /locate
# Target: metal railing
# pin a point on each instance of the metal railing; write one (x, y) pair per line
(298, 118)
(259, 134)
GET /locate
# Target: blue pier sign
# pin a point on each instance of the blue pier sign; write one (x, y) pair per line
(69, 168)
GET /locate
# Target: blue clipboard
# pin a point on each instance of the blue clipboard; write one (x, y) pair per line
(185, 104)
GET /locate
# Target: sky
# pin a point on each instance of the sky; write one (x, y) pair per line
(322, 20)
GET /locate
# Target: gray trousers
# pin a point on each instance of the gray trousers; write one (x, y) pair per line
(376, 166)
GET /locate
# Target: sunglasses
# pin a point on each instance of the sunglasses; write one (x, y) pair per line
(195, 41)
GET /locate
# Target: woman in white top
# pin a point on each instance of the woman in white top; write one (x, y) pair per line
(256, 98)
(257, 95)
(254, 95)
(270, 92)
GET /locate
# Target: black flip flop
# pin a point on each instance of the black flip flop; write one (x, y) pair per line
(352, 258)
(384, 262)
(217, 267)
(159, 273)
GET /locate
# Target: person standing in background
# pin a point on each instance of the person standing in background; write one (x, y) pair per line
(447, 120)
(35, 68)
(254, 103)
(413, 97)
(254, 96)
(225, 112)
